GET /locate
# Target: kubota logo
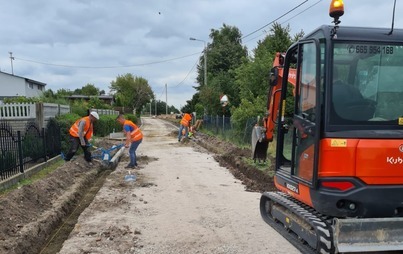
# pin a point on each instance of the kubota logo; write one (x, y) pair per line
(401, 148)
(394, 161)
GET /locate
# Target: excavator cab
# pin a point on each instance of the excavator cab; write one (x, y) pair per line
(346, 117)
(339, 146)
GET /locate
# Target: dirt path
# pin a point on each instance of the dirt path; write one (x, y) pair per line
(182, 202)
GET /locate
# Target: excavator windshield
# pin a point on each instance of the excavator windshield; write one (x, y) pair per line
(367, 86)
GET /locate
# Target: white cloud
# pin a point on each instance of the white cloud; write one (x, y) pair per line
(101, 33)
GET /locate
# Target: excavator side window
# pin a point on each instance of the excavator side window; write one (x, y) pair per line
(305, 112)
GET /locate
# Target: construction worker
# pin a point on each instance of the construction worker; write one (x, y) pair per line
(134, 136)
(184, 125)
(80, 134)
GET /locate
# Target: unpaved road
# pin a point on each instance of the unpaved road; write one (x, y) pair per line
(182, 202)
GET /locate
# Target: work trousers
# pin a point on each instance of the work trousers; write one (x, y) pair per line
(132, 152)
(74, 144)
(180, 131)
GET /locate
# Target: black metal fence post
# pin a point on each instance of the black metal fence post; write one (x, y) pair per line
(20, 155)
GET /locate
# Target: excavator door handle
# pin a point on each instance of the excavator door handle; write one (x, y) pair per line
(304, 127)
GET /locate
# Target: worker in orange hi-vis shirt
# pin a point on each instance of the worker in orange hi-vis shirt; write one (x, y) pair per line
(134, 136)
(80, 134)
(184, 125)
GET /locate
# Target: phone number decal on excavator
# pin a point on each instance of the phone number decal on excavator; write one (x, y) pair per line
(369, 49)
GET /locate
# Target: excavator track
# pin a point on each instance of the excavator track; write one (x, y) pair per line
(309, 231)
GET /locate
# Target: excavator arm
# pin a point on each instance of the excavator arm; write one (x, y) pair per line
(263, 134)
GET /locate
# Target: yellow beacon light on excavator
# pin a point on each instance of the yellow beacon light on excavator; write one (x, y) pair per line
(336, 9)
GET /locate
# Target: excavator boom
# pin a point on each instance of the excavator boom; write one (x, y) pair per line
(262, 135)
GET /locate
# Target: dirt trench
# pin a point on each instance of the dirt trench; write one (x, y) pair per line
(36, 218)
(57, 238)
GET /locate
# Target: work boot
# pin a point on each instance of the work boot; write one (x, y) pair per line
(130, 166)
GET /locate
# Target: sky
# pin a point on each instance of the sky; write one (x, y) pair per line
(70, 43)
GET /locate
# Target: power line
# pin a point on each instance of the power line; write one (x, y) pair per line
(302, 11)
(299, 13)
(162, 93)
(187, 75)
(257, 30)
(105, 67)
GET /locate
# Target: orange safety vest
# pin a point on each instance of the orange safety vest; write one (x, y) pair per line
(186, 119)
(136, 134)
(87, 128)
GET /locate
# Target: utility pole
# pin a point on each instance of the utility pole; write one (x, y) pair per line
(151, 101)
(11, 59)
(156, 107)
(166, 99)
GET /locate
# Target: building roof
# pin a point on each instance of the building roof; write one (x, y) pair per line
(103, 97)
(26, 79)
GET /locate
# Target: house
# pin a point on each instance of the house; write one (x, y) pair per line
(14, 86)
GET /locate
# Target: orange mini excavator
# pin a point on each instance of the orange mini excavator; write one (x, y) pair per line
(339, 150)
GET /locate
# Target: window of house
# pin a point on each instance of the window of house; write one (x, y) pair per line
(31, 85)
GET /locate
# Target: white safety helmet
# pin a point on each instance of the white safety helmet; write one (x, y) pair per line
(95, 114)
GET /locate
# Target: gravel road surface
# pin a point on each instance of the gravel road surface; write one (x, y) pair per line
(181, 202)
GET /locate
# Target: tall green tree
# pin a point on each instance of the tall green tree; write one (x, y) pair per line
(252, 76)
(131, 91)
(224, 55)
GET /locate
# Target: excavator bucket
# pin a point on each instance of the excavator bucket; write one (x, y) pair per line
(259, 144)
(368, 235)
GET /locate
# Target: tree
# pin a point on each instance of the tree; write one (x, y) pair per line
(225, 54)
(89, 89)
(131, 91)
(61, 93)
(252, 76)
(48, 93)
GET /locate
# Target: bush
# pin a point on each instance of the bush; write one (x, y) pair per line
(32, 147)
(105, 125)
(65, 122)
(8, 160)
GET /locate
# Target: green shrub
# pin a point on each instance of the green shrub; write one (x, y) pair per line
(8, 160)
(105, 125)
(32, 147)
(65, 122)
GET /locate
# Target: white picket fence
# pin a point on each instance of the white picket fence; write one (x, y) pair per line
(15, 111)
(105, 111)
(24, 111)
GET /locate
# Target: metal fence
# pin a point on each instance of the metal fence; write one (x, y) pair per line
(20, 150)
(224, 127)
